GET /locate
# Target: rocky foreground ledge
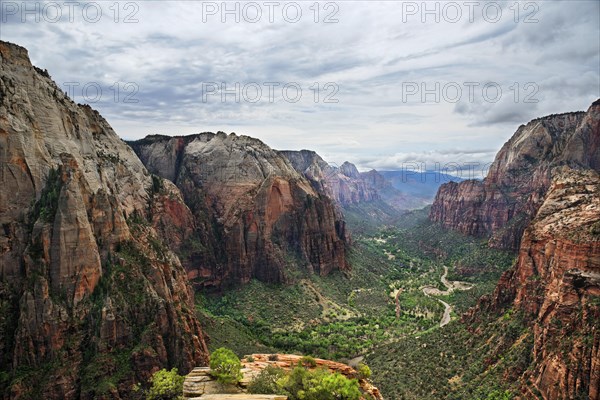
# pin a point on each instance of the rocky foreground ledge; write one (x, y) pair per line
(199, 383)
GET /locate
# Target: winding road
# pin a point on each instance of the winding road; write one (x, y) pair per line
(451, 286)
(397, 300)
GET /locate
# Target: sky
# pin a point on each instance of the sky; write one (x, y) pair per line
(385, 85)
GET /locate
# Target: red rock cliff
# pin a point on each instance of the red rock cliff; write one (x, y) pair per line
(254, 212)
(556, 285)
(92, 300)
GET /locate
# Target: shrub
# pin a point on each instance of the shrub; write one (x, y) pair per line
(249, 359)
(273, 357)
(500, 395)
(364, 372)
(308, 362)
(595, 228)
(166, 385)
(225, 366)
(157, 184)
(318, 385)
(266, 381)
(338, 387)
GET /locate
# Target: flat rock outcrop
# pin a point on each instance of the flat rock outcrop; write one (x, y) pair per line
(199, 383)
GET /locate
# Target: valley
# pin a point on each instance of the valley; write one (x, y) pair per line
(382, 302)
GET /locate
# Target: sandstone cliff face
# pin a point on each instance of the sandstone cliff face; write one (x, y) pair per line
(556, 285)
(255, 214)
(501, 206)
(88, 290)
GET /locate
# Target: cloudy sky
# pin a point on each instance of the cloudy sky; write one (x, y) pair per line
(380, 84)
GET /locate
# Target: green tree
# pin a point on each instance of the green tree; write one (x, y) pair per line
(294, 383)
(166, 385)
(302, 384)
(339, 387)
(225, 366)
(308, 362)
(364, 372)
(500, 395)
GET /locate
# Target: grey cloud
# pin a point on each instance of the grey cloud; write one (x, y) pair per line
(170, 52)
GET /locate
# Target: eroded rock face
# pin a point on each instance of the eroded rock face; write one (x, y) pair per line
(501, 206)
(556, 285)
(252, 209)
(88, 289)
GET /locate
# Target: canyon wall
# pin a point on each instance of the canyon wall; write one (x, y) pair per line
(92, 299)
(501, 206)
(256, 215)
(555, 286)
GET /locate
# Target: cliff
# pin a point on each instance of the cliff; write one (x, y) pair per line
(555, 285)
(501, 206)
(255, 214)
(92, 299)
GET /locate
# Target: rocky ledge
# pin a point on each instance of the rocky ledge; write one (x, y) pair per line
(199, 383)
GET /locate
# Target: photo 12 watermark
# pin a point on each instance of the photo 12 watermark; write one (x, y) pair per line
(126, 12)
(453, 92)
(453, 12)
(94, 92)
(441, 172)
(254, 92)
(270, 11)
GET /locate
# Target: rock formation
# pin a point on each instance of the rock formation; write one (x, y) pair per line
(91, 299)
(199, 383)
(501, 206)
(255, 214)
(555, 284)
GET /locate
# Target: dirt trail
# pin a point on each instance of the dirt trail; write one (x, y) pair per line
(451, 286)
